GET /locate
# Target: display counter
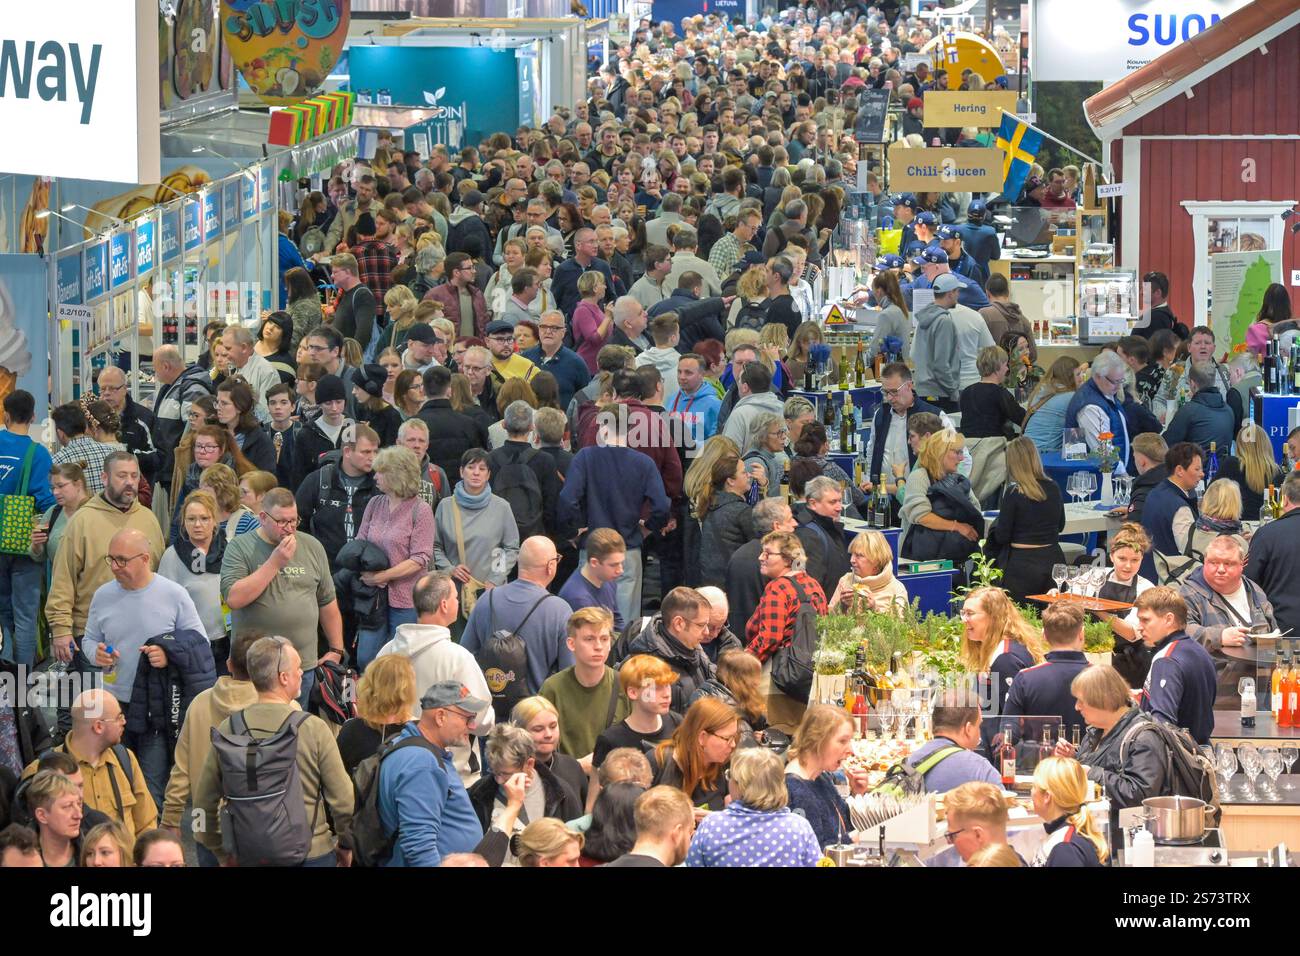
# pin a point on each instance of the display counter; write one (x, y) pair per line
(1257, 825)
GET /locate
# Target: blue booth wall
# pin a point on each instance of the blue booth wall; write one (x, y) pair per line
(486, 81)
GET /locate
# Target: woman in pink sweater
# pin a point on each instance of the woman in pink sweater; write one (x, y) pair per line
(400, 522)
(591, 324)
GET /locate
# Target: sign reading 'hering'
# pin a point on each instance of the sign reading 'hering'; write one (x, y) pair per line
(80, 77)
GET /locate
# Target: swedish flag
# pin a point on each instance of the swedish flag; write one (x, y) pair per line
(1020, 143)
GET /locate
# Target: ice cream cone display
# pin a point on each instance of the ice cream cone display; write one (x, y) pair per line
(15, 356)
(128, 205)
(34, 229)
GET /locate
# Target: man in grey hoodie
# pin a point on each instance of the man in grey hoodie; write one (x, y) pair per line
(756, 397)
(934, 349)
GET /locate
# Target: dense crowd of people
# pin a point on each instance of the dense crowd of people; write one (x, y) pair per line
(536, 466)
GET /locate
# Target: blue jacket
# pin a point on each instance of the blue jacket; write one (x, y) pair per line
(1206, 418)
(424, 800)
(970, 295)
(981, 242)
(1046, 424)
(12, 450)
(698, 412)
(1181, 685)
(607, 487)
(1089, 394)
(289, 258)
(161, 696)
(566, 365)
(1044, 689)
(953, 771)
(969, 267)
(1158, 512)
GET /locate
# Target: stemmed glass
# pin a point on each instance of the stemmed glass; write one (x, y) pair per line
(1089, 485)
(1226, 761)
(1251, 765)
(1059, 574)
(1073, 487)
(1072, 575)
(885, 717)
(1272, 761)
(1289, 755)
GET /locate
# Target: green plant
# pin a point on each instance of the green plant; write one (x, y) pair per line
(984, 573)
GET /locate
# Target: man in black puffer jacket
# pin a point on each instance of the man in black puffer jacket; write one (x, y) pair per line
(675, 636)
(451, 434)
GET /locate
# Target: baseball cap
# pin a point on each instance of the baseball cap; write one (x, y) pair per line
(932, 255)
(451, 693)
(927, 218)
(890, 261)
(946, 283)
(977, 209)
(420, 332)
(497, 326)
(947, 232)
(905, 199)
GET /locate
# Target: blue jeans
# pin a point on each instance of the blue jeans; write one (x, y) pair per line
(205, 856)
(150, 749)
(20, 602)
(327, 859)
(371, 639)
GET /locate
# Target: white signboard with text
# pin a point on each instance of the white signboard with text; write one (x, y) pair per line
(79, 90)
(1114, 37)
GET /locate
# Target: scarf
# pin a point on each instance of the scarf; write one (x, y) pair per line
(195, 560)
(472, 502)
(1218, 525)
(193, 472)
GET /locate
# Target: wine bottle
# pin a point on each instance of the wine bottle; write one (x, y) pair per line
(1280, 667)
(1270, 367)
(785, 482)
(1045, 746)
(1007, 758)
(844, 368)
(1212, 465)
(848, 429)
(880, 506)
(860, 715)
(828, 411)
(860, 367)
(1277, 504)
(1287, 687)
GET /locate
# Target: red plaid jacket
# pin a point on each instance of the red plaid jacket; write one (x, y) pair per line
(376, 261)
(772, 624)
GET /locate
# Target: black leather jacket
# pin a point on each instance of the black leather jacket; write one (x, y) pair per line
(1142, 771)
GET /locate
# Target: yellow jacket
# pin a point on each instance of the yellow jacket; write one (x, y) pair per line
(108, 790)
(79, 565)
(209, 709)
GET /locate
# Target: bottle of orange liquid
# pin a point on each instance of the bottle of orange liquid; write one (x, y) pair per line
(1287, 686)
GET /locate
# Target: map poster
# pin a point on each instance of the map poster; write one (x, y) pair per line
(1238, 281)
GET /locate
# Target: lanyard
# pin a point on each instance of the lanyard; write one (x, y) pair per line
(685, 411)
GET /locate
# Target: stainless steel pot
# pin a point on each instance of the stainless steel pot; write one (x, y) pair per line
(1178, 820)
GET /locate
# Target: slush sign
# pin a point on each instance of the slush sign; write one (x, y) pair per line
(82, 74)
(1116, 37)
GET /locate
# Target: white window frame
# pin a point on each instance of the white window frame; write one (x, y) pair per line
(1202, 212)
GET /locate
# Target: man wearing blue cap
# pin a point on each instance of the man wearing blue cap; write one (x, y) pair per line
(934, 350)
(932, 263)
(422, 801)
(925, 224)
(904, 213)
(959, 260)
(979, 238)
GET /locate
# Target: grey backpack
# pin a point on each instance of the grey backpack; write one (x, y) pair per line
(263, 819)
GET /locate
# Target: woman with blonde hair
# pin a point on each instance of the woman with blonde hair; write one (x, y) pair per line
(757, 828)
(233, 518)
(997, 643)
(941, 517)
(1058, 795)
(799, 354)
(401, 523)
(386, 696)
(739, 684)
(871, 585)
(1253, 468)
(547, 842)
(108, 844)
(995, 855)
(1220, 513)
(823, 740)
(253, 486)
(591, 325)
(701, 747)
(1045, 413)
(400, 305)
(1025, 538)
(541, 718)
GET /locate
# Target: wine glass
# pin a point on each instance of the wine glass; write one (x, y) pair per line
(1272, 761)
(1226, 760)
(1075, 486)
(1073, 578)
(1089, 485)
(1251, 765)
(1059, 574)
(1289, 755)
(884, 718)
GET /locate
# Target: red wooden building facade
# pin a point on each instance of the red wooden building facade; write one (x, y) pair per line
(1206, 140)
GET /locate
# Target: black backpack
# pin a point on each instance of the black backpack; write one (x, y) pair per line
(503, 658)
(517, 484)
(1188, 772)
(792, 665)
(371, 846)
(752, 315)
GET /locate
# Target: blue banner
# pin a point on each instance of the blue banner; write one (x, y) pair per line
(211, 214)
(193, 224)
(119, 259)
(24, 306)
(249, 186)
(95, 283)
(144, 247)
(230, 200)
(67, 279)
(171, 233)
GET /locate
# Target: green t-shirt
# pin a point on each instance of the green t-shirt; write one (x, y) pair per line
(289, 607)
(583, 710)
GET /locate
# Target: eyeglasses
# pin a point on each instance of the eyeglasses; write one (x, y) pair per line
(281, 523)
(551, 328)
(891, 392)
(111, 388)
(318, 348)
(207, 448)
(951, 835)
(118, 561)
(730, 741)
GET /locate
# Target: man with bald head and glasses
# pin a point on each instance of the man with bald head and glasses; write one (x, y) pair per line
(124, 626)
